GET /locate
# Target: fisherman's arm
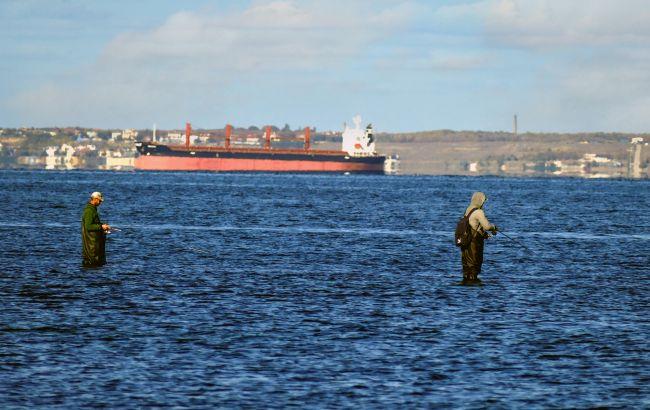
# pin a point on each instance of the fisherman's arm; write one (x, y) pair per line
(485, 224)
(88, 217)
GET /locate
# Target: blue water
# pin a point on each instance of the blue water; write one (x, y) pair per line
(271, 291)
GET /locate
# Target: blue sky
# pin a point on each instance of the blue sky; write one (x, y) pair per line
(566, 66)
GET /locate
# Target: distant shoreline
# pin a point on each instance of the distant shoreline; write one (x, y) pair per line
(440, 152)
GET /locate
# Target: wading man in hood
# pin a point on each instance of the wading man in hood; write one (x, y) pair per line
(472, 255)
(93, 233)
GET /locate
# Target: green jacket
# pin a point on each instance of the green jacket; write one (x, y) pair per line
(93, 238)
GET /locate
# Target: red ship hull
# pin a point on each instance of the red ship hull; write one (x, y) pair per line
(160, 157)
(164, 163)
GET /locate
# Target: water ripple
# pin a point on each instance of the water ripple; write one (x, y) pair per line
(276, 291)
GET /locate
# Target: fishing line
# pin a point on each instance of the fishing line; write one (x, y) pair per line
(515, 241)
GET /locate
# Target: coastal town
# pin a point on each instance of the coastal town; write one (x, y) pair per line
(423, 153)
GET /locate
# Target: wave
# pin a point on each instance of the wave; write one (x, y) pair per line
(334, 230)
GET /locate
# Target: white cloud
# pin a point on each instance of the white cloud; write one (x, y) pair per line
(457, 61)
(589, 68)
(552, 23)
(611, 92)
(195, 58)
(581, 64)
(279, 34)
(462, 11)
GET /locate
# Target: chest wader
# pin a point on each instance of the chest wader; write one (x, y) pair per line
(93, 248)
(93, 243)
(472, 258)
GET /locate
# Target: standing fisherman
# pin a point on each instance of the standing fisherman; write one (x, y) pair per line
(93, 233)
(472, 255)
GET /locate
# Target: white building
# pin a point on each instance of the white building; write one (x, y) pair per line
(129, 134)
(62, 157)
(86, 147)
(595, 158)
(252, 141)
(173, 138)
(115, 160)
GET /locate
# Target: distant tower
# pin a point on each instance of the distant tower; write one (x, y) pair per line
(514, 125)
(154, 133)
(634, 158)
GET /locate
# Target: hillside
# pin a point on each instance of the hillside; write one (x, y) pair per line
(450, 152)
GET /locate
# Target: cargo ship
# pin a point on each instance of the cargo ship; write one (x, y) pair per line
(357, 155)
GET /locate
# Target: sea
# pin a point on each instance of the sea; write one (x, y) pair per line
(322, 291)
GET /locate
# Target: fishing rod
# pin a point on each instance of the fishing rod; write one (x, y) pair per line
(515, 241)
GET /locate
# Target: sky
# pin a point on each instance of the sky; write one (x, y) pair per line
(404, 65)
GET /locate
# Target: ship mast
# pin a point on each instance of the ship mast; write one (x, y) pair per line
(307, 138)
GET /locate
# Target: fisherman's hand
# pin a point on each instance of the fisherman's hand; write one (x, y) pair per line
(106, 227)
(494, 229)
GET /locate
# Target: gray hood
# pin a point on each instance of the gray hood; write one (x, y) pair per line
(478, 199)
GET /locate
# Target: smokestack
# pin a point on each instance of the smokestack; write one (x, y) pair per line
(634, 158)
(154, 133)
(514, 125)
(188, 131)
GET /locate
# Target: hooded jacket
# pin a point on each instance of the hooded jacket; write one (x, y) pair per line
(478, 221)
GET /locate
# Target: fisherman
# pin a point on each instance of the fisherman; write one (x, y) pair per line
(93, 233)
(472, 255)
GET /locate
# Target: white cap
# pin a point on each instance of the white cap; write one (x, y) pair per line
(97, 195)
